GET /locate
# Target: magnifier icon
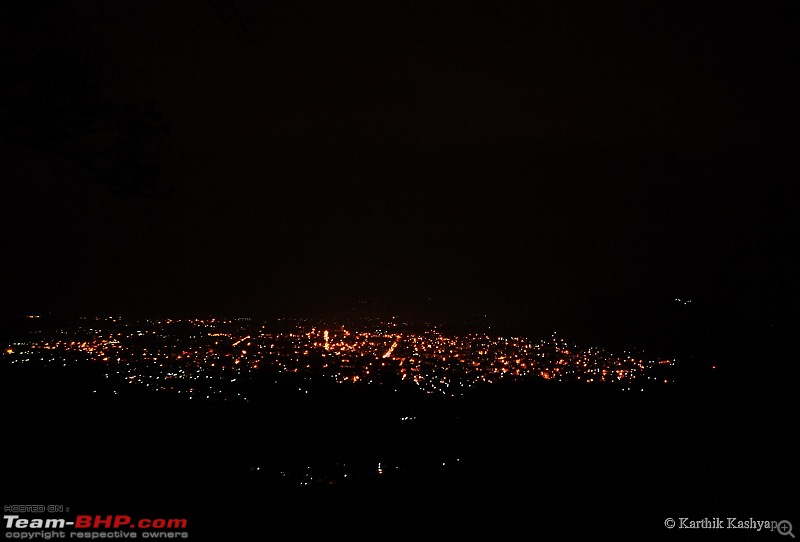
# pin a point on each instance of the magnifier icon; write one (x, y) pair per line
(785, 527)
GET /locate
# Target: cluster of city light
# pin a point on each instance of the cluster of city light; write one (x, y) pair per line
(214, 359)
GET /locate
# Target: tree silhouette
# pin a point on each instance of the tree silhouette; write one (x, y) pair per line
(59, 108)
(243, 17)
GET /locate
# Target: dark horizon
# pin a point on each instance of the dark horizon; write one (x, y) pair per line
(271, 158)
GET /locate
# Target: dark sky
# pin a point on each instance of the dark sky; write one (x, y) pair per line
(441, 158)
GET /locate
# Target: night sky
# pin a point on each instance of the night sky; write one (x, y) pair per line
(238, 157)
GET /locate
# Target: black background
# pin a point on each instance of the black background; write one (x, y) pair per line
(513, 161)
(526, 165)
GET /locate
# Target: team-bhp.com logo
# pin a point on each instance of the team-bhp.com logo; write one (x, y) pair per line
(94, 526)
(93, 522)
(103, 522)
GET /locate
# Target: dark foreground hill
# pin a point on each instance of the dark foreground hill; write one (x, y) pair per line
(506, 462)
